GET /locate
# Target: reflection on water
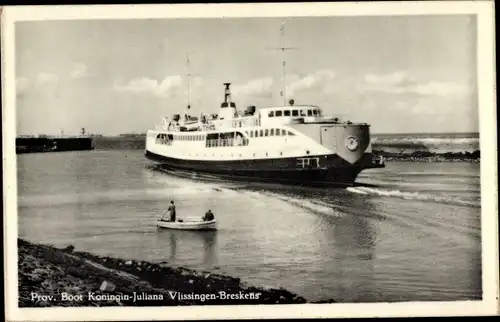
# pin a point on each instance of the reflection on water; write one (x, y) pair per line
(197, 244)
(355, 242)
(352, 250)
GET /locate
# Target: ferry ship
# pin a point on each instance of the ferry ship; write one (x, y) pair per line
(294, 144)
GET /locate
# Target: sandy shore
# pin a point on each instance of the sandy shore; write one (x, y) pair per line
(50, 276)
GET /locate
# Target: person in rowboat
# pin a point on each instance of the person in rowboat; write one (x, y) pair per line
(209, 216)
(170, 212)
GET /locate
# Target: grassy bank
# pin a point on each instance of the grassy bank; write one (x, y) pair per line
(50, 276)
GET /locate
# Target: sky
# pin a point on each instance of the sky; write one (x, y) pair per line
(401, 74)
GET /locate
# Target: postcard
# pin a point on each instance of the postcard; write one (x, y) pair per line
(245, 161)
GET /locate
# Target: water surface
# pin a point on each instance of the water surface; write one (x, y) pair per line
(414, 234)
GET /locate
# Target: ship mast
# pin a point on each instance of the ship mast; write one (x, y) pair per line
(189, 75)
(188, 81)
(282, 47)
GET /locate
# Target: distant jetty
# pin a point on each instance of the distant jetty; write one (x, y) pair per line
(41, 144)
(47, 143)
(85, 279)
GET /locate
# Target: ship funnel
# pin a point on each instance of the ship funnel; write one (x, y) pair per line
(228, 107)
(227, 97)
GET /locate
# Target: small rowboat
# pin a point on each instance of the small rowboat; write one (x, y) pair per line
(188, 224)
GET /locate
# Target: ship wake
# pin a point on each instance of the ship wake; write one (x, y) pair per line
(408, 195)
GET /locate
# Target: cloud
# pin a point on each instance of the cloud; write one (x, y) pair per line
(403, 83)
(168, 87)
(48, 83)
(395, 79)
(79, 71)
(43, 83)
(261, 87)
(46, 79)
(440, 88)
(321, 80)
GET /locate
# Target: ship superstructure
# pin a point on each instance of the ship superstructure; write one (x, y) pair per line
(289, 144)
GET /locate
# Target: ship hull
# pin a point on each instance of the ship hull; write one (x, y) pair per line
(331, 169)
(51, 144)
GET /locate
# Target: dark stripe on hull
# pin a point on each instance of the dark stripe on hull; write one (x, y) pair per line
(332, 169)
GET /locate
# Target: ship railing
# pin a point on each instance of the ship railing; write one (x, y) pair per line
(226, 142)
(177, 128)
(336, 119)
(237, 122)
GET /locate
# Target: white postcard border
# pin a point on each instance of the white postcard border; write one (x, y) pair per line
(487, 116)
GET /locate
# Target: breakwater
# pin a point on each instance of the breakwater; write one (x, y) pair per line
(428, 156)
(50, 276)
(53, 144)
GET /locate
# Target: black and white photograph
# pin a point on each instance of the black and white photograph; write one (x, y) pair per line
(250, 160)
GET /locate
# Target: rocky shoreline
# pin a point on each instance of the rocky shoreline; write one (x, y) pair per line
(427, 156)
(52, 277)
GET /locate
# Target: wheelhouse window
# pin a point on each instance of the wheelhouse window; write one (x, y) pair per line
(266, 132)
(283, 132)
(303, 113)
(287, 113)
(295, 113)
(277, 132)
(272, 132)
(271, 114)
(279, 113)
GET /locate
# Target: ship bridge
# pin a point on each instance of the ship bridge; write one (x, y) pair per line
(292, 114)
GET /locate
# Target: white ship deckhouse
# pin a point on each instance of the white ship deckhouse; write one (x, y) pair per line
(288, 144)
